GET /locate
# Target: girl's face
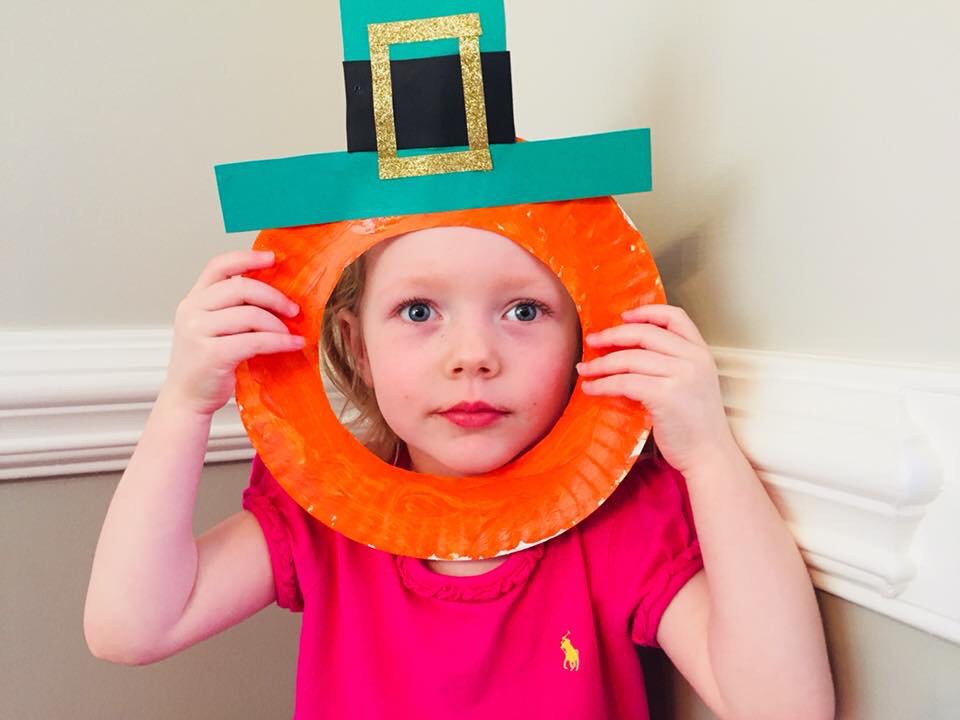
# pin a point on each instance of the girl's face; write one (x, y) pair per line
(457, 314)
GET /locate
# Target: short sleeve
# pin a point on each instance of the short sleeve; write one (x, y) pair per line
(279, 517)
(658, 546)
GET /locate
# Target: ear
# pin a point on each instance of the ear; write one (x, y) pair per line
(352, 333)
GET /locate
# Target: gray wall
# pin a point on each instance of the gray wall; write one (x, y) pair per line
(48, 531)
(883, 670)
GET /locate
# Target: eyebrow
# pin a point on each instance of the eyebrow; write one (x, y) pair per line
(439, 282)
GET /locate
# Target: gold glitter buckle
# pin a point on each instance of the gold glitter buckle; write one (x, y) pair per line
(466, 28)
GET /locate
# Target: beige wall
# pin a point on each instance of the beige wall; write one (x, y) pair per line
(804, 153)
(48, 530)
(883, 670)
(804, 159)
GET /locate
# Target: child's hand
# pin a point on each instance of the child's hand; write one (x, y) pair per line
(669, 368)
(222, 321)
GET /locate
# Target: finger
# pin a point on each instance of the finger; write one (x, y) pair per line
(629, 385)
(240, 290)
(241, 319)
(237, 262)
(645, 362)
(666, 316)
(651, 337)
(237, 348)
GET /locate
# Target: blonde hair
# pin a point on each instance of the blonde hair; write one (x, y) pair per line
(340, 367)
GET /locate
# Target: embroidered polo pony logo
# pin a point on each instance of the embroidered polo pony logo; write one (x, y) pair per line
(571, 656)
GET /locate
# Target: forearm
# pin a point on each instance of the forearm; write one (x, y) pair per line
(765, 629)
(146, 559)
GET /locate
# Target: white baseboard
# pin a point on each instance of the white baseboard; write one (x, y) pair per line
(862, 458)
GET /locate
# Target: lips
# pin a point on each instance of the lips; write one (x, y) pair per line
(470, 407)
(473, 414)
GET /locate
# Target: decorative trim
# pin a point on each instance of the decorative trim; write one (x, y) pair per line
(861, 458)
(75, 402)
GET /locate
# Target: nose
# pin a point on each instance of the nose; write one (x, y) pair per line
(472, 351)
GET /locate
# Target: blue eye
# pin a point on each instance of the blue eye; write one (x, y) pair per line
(414, 303)
(423, 307)
(537, 306)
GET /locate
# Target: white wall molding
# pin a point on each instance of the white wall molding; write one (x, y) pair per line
(861, 458)
(863, 461)
(76, 401)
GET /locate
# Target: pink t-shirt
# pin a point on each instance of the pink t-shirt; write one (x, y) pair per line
(550, 633)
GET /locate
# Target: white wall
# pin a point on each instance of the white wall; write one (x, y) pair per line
(804, 154)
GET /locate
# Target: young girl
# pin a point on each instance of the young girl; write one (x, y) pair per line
(688, 554)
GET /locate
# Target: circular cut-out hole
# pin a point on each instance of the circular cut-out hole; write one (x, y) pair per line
(428, 319)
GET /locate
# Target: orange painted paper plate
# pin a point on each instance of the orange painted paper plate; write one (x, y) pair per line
(603, 262)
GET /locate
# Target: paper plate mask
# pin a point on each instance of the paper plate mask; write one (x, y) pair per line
(404, 172)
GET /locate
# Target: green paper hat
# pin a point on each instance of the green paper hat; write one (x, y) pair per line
(429, 128)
